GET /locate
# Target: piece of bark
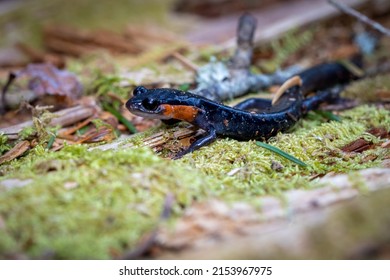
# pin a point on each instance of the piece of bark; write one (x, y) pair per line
(146, 34)
(37, 56)
(18, 150)
(212, 8)
(69, 48)
(357, 146)
(155, 141)
(62, 118)
(274, 21)
(303, 224)
(53, 35)
(224, 81)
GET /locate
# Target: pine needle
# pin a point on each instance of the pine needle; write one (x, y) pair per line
(51, 142)
(328, 115)
(281, 153)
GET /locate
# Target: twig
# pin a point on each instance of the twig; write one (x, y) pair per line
(245, 31)
(154, 141)
(360, 17)
(63, 118)
(3, 104)
(220, 82)
(185, 61)
(79, 41)
(37, 56)
(18, 150)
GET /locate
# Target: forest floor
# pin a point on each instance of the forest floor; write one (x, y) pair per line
(83, 178)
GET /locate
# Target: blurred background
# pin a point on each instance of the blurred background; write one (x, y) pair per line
(39, 23)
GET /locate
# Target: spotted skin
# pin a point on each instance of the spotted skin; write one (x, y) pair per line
(253, 118)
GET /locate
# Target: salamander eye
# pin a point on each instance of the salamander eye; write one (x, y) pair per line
(150, 104)
(139, 90)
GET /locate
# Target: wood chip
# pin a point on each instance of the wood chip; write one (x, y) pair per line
(63, 118)
(380, 132)
(386, 144)
(77, 42)
(18, 150)
(357, 146)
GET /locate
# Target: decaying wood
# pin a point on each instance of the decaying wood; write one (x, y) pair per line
(212, 8)
(18, 150)
(67, 47)
(357, 146)
(274, 21)
(154, 141)
(134, 40)
(144, 35)
(224, 81)
(62, 118)
(37, 56)
(303, 224)
(77, 41)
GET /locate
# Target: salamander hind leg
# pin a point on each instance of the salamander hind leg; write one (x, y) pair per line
(207, 139)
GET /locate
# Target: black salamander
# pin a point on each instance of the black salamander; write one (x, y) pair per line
(254, 118)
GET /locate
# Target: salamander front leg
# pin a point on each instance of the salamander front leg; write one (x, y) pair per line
(207, 139)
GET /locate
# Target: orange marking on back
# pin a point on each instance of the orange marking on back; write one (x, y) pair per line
(180, 112)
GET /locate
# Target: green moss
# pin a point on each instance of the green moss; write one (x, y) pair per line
(370, 89)
(27, 132)
(90, 204)
(97, 204)
(283, 48)
(317, 144)
(4, 147)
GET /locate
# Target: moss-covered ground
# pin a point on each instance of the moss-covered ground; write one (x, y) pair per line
(97, 204)
(79, 203)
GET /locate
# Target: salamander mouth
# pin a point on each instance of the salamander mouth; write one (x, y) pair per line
(138, 109)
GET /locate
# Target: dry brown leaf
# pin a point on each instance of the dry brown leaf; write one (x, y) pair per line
(357, 146)
(45, 79)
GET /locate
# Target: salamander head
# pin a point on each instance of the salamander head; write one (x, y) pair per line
(162, 104)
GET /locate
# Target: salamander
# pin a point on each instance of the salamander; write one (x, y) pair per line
(254, 118)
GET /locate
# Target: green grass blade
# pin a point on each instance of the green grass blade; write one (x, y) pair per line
(51, 142)
(120, 118)
(328, 115)
(281, 153)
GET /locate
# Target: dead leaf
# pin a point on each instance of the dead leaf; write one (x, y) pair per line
(383, 95)
(357, 146)
(386, 144)
(380, 132)
(45, 79)
(369, 158)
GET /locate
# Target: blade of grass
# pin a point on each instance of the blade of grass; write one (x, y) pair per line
(281, 153)
(328, 115)
(120, 118)
(51, 142)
